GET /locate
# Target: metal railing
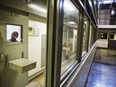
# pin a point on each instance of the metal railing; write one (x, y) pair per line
(106, 21)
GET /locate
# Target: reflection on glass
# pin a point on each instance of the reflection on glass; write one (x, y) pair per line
(102, 35)
(37, 42)
(13, 33)
(33, 46)
(84, 37)
(90, 37)
(69, 43)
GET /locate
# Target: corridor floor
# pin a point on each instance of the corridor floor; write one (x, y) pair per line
(103, 70)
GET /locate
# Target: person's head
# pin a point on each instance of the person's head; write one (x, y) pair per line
(14, 36)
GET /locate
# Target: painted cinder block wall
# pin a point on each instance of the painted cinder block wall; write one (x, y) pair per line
(10, 78)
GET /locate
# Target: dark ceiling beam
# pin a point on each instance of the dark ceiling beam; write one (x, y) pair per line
(21, 5)
(91, 4)
(80, 4)
(7, 8)
(95, 9)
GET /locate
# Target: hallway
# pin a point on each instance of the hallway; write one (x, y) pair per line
(103, 70)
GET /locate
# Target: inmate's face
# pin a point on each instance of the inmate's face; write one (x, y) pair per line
(14, 35)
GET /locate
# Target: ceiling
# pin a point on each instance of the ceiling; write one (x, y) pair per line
(107, 12)
(107, 5)
(23, 5)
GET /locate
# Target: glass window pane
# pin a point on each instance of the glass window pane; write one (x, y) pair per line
(28, 19)
(84, 36)
(90, 37)
(113, 36)
(70, 29)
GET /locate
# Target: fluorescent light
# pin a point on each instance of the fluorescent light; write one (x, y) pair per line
(112, 12)
(37, 8)
(107, 2)
(71, 22)
(90, 3)
(95, 2)
(68, 5)
(85, 22)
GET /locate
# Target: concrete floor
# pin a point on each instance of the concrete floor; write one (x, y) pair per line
(39, 81)
(103, 70)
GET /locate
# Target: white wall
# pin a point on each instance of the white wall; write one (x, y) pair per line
(10, 78)
(114, 36)
(102, 43)
(107, 26)
(34, 45)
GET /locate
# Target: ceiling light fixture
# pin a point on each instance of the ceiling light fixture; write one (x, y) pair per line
(71, 22)
(85, 22)
(112, 12)
(37, 8)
